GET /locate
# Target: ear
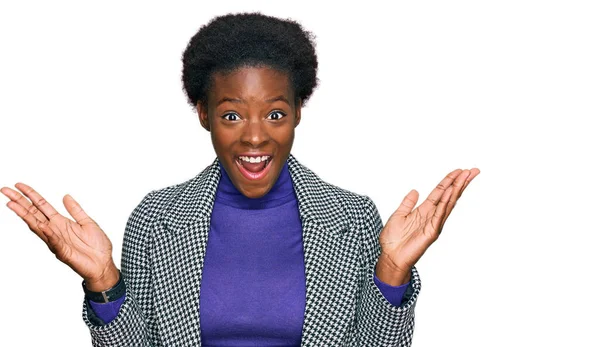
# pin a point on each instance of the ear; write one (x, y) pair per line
(203, 116)
(298, 114)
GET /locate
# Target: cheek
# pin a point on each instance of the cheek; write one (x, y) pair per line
(285, 135)
(222, 135)
(221, 142)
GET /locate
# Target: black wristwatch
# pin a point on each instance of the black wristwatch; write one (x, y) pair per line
(108, 295)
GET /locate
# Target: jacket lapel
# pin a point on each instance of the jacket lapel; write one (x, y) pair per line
(181, 236)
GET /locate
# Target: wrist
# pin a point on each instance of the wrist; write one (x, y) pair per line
(111, 294)
(390, 274)
(108, 279)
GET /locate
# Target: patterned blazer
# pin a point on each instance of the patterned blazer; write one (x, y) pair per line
(163, 252)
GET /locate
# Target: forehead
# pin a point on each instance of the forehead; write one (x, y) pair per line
(250, 83)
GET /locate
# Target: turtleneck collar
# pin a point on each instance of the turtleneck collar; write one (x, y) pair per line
(281, 192)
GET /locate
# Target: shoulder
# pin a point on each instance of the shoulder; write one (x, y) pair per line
(318, 198)
(334, 201)
(354, 204)
(159, 200)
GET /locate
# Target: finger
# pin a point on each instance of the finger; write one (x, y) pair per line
(453, 200)
(26, 204)
(28, 218)
(37, 200)
(474, 172)
(54, 243)
(46, 232)
(76, 211)
(457, 187)
(408, 203)
(436, 194)
(440, 211)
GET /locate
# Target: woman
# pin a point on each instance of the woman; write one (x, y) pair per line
(291, 260)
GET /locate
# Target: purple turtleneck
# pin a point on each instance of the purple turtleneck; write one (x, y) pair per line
(253, 285)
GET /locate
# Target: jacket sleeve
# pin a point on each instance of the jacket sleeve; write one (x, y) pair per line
(379, 323)
(106, 311)
(129, 327)
(393, 294)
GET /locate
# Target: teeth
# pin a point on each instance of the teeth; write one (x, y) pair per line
(254, 159)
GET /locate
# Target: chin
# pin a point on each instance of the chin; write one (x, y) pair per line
(256, 193)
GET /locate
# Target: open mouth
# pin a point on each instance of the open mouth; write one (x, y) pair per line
(254, 167)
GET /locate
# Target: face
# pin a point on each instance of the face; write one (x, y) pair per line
(251, 111)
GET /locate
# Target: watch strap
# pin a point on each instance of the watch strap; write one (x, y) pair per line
(108, 295)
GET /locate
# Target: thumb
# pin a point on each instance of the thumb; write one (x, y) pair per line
(408, 203)
(76, 211)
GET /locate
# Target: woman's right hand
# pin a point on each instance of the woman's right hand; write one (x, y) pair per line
(80, 244)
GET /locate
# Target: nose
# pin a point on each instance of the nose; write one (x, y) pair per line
(254, 133)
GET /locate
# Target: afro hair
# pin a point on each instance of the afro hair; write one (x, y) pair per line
(231, 41)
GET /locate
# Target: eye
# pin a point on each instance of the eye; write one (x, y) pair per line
(277, 112)
(228, 115)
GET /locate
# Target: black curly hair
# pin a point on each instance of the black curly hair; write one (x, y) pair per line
(231, 41)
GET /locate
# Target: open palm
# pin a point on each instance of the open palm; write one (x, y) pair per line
(408, 233)
(80, 244)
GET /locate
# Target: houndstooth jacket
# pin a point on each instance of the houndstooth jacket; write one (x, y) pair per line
(163, 252)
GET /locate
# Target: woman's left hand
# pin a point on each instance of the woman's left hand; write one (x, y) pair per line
(408, 233)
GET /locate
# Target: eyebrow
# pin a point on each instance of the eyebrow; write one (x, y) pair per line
(279, 98)
(239, 101)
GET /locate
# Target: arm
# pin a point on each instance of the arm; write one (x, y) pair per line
(129, 327)
(394, 249)
(379, 323)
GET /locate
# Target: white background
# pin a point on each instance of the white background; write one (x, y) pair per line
(91, 105)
